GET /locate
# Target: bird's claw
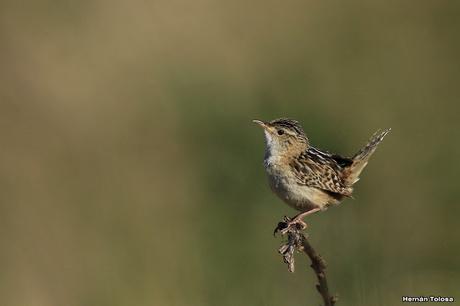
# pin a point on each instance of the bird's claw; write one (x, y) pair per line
(280, 228)
(288, 225)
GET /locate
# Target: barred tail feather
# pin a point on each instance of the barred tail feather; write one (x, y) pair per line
(361, 158)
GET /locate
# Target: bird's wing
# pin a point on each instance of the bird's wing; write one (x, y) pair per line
(321, 170)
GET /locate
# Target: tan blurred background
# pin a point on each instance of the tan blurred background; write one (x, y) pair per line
(132, 175)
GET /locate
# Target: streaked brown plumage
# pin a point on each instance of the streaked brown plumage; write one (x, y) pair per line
(304, 177)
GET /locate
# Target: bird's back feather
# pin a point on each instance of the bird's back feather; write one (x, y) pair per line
(322, 170)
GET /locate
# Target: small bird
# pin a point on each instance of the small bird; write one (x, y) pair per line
(306, 178)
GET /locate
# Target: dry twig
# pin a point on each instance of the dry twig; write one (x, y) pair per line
(296, 240)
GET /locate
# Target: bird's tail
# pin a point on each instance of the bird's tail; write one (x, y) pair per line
(361, 158)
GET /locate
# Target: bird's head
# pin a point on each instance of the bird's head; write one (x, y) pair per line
(283, 137)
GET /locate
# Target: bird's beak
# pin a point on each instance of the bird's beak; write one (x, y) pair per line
(260, 122)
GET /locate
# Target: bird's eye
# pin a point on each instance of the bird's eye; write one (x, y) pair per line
(280, 132)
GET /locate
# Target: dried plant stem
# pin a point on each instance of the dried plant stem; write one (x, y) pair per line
(319, 266)
(296, 240)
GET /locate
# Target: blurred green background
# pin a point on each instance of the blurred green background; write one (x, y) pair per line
(131, 173)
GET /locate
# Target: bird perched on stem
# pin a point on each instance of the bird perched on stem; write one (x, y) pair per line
(306, 178)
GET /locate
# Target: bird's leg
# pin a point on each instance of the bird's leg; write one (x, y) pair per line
(299, 218)
(296, 222)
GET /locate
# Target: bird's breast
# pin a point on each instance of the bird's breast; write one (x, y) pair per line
(300, 197)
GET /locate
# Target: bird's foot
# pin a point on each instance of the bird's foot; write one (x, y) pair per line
(290, 225)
